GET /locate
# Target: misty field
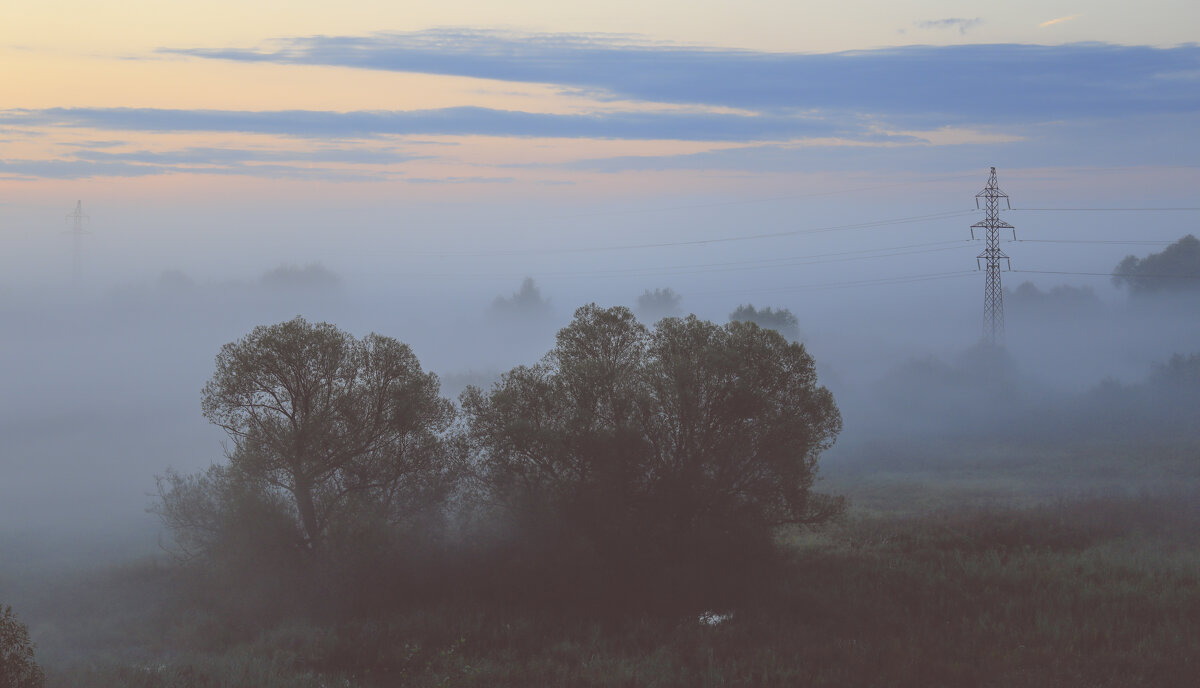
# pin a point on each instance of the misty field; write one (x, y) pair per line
(963, 570)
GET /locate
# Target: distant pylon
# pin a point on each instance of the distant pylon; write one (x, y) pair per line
(77, 233)
(993, 294)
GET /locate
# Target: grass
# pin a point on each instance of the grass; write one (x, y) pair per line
(993, 578)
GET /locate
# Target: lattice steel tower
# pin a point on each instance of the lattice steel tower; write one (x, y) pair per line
(993, 294)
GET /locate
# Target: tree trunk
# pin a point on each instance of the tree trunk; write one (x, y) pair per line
(308, 511)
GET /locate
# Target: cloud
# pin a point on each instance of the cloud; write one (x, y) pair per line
(457, 121)
(930, 85)
(90, 164)
(951, 23)
(460, 180)
(1060, 20)
(1163, 140)
(72, 169)
(94, 144)
(235, 156)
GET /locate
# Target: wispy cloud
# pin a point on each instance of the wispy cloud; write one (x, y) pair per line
(1162, 140)
(963, 25)
(928, 85)
(236, 156)
(458, 121)
(459, 180)
(1059, 20)
(209, 161)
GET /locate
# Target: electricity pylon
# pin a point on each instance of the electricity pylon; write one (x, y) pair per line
(993, 294)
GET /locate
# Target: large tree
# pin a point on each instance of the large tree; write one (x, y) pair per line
(330, 420)
(1174, 269)
(690, 435)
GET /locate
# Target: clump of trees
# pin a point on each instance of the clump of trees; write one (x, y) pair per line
(679, 447)
(313, 276)
(1175, 269)
(18, 669)
(1061, 299)
(627, 456)
(653, 306)
(782, 320)
(525, 303)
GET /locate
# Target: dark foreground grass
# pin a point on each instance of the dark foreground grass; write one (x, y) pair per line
(1093, 592)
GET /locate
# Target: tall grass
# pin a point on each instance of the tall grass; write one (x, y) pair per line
(1096, 592)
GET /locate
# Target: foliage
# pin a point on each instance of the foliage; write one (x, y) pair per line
(1176, 268)
(647, 449)
(1092, 592)
(782, 320)
(313, 276)
(340, 425)
(1059, 299)
(658, 304)
(222, 514)
(17, 666)
(525, 303)
(1182, 372)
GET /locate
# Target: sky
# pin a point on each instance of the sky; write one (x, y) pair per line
(460, 100)
(580, 143)
(822, 157)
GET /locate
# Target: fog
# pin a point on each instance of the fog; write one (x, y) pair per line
(103, 369)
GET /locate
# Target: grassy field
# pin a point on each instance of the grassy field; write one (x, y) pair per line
(955, 566)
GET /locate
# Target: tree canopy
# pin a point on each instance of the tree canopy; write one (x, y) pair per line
(782, 320)
(1175, 269)
(689, 437)
(525, 303)
(658, 304)
(332, 421)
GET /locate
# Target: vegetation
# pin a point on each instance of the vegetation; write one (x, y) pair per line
(653, 306)
(1175, 269)
(1099, 591)
(313, 276)
(1059, 300)
(345, 428)
(525, 303)
(782, 321)
(17, 666)
(638, 509)
(668, 455)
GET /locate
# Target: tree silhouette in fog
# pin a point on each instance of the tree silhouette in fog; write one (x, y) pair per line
(313, 276)
(336, 423)
(782, 321)
(690, 442)
(1175, 269)
(653, 306)
(525, 303)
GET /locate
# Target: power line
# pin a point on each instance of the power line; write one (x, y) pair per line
(1110, 274)
(727, 266)
(1103, 210)
(1095, 241)
(717, 204)
(717, 240)
(885, 281)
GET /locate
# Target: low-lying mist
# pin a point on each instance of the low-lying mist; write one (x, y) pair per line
(102, 390)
